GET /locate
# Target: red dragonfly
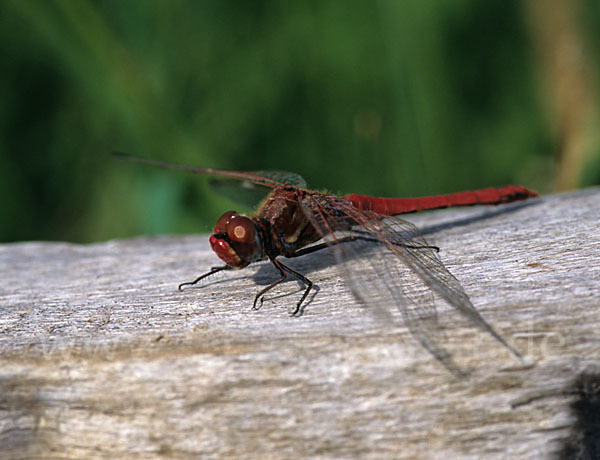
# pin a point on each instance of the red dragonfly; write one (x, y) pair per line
(294, 221)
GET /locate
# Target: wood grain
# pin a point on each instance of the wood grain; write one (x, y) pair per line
(102, 356)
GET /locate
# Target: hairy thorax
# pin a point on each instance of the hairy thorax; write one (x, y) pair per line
(284, 222)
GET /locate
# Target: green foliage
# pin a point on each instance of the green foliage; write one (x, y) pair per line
(395, 98)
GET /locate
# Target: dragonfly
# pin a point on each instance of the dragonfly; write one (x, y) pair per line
(387, 263)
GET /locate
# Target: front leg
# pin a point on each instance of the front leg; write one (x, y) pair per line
(212, 271)
(279, 266)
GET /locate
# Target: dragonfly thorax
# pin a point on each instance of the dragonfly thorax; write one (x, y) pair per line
(237, 240)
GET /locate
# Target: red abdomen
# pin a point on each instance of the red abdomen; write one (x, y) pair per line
(393, 206)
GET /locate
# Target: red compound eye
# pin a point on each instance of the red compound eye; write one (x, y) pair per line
(225, 252)
(240, 229)
(221, 225)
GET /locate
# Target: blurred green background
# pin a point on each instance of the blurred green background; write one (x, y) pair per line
(389, 98)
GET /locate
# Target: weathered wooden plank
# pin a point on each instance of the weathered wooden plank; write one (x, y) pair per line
(102, 356)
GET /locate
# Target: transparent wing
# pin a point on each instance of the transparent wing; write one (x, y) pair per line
(379, 279)
(272, 179)
(283, 177)
(249, 194)
(243, 193)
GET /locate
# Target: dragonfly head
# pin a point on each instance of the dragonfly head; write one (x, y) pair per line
(237, 240)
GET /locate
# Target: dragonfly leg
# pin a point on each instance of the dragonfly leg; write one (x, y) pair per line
(282, 270)
(306, 281)
(212, 271)
(279, 266)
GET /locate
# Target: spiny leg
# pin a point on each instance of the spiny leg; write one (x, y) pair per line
(306, 281)
(262, 292)
(212, 271)
(283, 269)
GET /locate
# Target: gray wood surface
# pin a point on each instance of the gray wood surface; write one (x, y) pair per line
(102, 356)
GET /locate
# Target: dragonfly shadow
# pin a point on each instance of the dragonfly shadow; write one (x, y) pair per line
(266, 274)
(323, 259)
(482, 216)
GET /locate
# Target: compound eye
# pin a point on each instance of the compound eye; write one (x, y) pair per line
(221, 225)
(241, 229)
